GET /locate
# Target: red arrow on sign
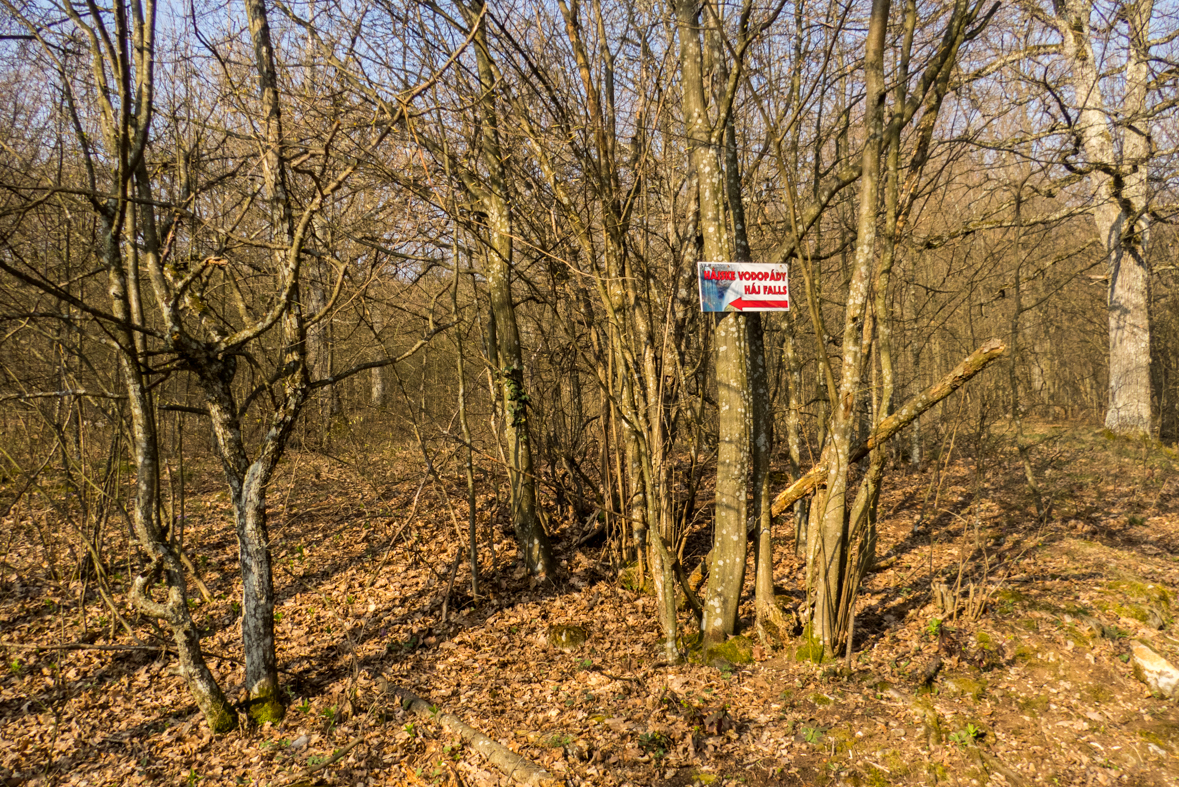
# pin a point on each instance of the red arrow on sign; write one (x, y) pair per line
(740, 304)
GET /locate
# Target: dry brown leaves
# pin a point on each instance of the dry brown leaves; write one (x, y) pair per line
(1036, 691)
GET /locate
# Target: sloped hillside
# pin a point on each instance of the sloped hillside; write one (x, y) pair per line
(991, 647)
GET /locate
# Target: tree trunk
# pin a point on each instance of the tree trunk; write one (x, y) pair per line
(265, 702)
(794, 430)
(145, 518)
(377, 387)
(727, 566)
(726, 572)
(771, 623)
(530, 534)
(1119, 182)
(248, 481)
(126, 139)
(828, 552)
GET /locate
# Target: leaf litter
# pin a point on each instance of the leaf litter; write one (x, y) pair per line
(1029, 683)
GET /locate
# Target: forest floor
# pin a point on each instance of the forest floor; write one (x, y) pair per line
(1034, 685)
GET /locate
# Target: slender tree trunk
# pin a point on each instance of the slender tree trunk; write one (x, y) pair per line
(829, 548)
(771, 623)
(130, 58)
(530, 534)
(377, 387)
(249, 480)
(876, 346)
(730, 539)
(912, 359)
(794, 429)
(469, 464)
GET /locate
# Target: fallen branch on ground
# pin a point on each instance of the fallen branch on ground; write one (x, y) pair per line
(507, 761)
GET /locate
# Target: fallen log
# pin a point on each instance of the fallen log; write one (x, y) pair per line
(909, 412)
(507, 761)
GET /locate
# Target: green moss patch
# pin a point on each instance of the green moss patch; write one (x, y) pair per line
(966, 686)
(734, 650)
(1163, 734)
(629, 579)
(567, 637)
(264, 707)
(1037, 703)
(811, 648)
(1143, 591)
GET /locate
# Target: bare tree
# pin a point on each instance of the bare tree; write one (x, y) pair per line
(119, 99)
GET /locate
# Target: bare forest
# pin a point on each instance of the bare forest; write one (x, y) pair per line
(360, 423)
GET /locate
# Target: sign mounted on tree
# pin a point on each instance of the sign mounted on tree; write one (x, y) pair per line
(743, 287)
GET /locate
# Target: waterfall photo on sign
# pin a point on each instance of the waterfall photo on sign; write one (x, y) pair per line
(743, 286)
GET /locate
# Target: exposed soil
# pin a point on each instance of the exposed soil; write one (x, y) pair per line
(1028, 684)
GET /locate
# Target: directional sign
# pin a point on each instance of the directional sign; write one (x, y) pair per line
(743, 287)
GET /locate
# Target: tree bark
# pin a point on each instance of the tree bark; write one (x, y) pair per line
(1120, 185)
(730, 539)
(771, 623)
(828, 551)
(145, 518)
(130, 60)
(530, 534)
(247, 480)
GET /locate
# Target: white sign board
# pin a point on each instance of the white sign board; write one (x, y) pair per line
(743, 287)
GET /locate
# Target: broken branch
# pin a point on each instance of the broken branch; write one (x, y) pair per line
(909, 412)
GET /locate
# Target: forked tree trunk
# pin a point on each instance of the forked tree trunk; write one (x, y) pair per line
(1119, 180)
(877, 347)
(828, 550)
(126, 139)
(174, 610)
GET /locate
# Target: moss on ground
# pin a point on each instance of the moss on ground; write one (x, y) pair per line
(567, 637)
(1037, 703)
(811, 648)
(734, 650)
(1163, 734)
(1024, 652)
(967, 686)
(1145, 602)
(1077, 637)
(1097, 693)
(898, 764)
(1144, 591)
(629, 579)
